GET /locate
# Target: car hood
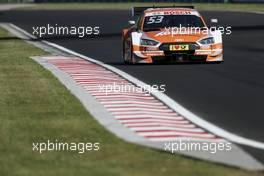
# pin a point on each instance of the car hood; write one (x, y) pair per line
(169, 37)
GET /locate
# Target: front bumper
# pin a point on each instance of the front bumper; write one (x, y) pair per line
(162, 53)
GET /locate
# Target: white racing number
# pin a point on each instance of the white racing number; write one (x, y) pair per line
(155, 19)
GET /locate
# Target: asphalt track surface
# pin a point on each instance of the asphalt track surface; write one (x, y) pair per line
(229, 95)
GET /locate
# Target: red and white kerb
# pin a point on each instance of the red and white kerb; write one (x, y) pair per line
(144, 114)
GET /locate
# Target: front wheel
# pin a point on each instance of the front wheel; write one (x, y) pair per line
(132, 59)
(126, 53)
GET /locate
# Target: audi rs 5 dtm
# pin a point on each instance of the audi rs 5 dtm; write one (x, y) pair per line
(165, 34)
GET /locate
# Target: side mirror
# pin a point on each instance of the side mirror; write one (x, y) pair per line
(213, 23)
(131, 22)
(214, 20)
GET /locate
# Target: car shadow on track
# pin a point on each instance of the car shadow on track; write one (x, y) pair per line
(173, 63)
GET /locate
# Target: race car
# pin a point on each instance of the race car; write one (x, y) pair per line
(170, 34)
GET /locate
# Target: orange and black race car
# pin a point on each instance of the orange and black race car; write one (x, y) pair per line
(170, 34)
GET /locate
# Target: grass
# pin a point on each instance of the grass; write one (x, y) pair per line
(126, 6)
(36, 107)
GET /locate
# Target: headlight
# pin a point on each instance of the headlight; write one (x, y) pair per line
(148, 42)
(207, 41)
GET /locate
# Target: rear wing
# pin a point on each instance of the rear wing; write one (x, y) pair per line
(139, 10)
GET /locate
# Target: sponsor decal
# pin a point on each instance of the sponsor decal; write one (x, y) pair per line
(179, 47)
(179, 40)
(177, 13)
(172, 12)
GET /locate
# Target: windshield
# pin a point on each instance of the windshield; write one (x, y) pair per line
(162, 21)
